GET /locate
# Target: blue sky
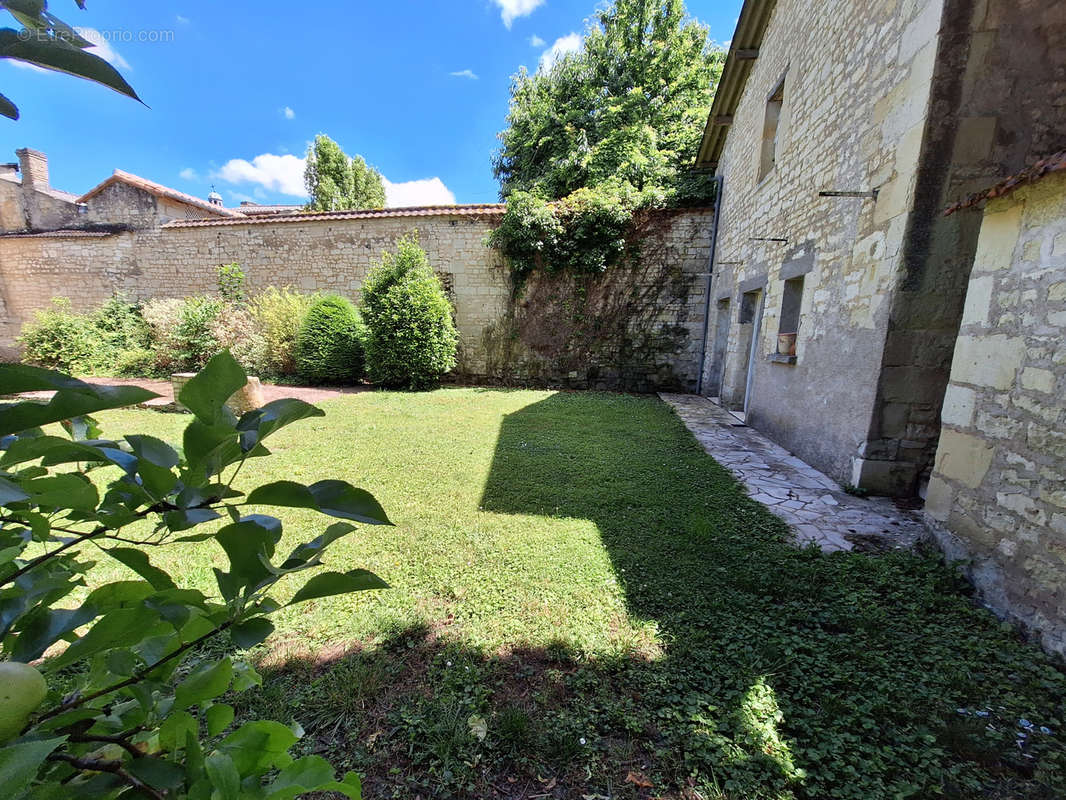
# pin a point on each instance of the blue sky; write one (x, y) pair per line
(237, 89)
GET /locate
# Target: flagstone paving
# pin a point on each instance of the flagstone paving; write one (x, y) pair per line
(812, 503)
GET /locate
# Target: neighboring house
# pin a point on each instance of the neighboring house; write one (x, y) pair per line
(28, 203)
(998, 489)
(841, 130)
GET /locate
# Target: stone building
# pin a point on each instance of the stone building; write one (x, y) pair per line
(998, 491)
(840, 132)
(896, 347)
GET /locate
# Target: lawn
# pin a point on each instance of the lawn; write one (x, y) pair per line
(585, 605)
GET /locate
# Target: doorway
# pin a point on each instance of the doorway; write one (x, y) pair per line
(721, 340)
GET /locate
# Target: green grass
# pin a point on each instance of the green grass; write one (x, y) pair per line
(573, 571)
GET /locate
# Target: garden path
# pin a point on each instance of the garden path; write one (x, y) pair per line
(812, 503)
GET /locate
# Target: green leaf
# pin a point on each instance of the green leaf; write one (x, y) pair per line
(67, 404)
(249, 633)
(206, 682)
(153, 450)
(19, 763)
(123, 627)
(257, 425)
(257, 746)
(44, 628)
(248, 545)
(219, 717)
(174, 728)
(69, 490)
(335, 498)
(157, 773)
(18, 378)
(8, 109)
(62, 57)
(300, 777)
(333, 583)
(225, 778)
(309, 551)
(138, 561)
(206, 394)
(245, 677)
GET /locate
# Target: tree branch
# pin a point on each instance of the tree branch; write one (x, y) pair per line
(114, 767)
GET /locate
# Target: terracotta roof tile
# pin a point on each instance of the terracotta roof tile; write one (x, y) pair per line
(1053, 163)
(158, 190)
(479, 210)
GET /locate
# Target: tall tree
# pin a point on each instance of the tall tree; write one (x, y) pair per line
(47, 42)
(628, 107)
(337, 182)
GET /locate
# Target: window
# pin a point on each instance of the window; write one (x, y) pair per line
(774, 103)
(791, 303)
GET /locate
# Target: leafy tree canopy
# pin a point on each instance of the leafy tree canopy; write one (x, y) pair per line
(628, 107)
(46, 41)
(337, 182)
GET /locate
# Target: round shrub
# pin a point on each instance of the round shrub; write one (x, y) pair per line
(57, 338)
(329, 347)
(411, 338)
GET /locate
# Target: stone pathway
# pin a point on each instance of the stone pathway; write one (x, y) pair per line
(813, 504)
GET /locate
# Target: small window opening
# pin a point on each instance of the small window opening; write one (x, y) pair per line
(791, 303)
(774, 103)
(749, 301)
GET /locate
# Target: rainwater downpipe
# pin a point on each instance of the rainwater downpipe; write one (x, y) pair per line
(718, 181)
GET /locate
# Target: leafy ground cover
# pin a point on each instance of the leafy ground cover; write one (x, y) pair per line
(585, 605)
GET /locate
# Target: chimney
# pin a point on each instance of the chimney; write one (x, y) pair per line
(34, 166)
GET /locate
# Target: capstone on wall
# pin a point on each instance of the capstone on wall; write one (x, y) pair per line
(327, 254)
(998, 491)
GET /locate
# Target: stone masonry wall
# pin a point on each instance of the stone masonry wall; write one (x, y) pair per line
(323, 254)
(856, 76)
(999, 482)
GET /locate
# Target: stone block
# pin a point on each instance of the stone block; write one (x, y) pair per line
(978, 300)
(998, 238)
(958, 406)
(963, 458)
(939, 497)
(988, 360)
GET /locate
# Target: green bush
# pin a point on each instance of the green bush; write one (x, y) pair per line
(584, 233)
(85, 343)
(56, 338)
(411, 338)
(278, 314)
(329, 348)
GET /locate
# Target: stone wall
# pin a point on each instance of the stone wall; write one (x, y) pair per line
(855, 78)
(322, 253)
(999, 483)
(920, 103)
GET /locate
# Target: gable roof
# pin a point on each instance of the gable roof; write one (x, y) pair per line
(476, 210)
(158, 190)
(743, 52)
(1034, 172)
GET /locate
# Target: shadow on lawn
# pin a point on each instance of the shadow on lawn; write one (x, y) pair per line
(786, 673)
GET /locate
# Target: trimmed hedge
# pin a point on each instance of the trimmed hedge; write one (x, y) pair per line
(329, 347)
(411, 338)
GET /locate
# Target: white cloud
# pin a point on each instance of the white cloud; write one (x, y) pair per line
(288, 113)
(182, 20)
(426, 192)
(189, 174)
(510, 10)
(285, 174)
(571, 43)
(102, 47)
(464, 73)
(536, 41)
